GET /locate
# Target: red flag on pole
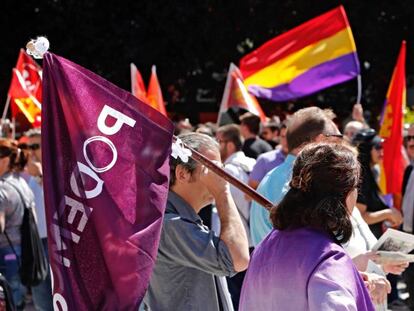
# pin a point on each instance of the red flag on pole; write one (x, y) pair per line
(137, 84)
(236, 95)
(154, 93)
(25, 90)
(391, 131)
(31, 73)
(23, 100)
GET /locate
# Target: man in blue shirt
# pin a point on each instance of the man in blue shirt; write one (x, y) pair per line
(306, 125)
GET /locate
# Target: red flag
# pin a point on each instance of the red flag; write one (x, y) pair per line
(31, 73)
(25, 90)
(392, 169)
(137, 84)
(236, 95)
(154, 93)
(23, 100)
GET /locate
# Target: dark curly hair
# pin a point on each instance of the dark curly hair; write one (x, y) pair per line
(323, 175)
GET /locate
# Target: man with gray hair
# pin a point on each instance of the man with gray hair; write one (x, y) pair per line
(305, 126)
(192, 262)
(351, 128)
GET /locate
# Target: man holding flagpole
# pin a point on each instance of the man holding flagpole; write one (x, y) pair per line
(192, 262)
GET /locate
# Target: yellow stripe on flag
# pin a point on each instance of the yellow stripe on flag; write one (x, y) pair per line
(292, 66)
(28, 107)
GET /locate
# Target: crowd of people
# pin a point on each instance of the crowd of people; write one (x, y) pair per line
(221, 250)
(313, 249)
(21, 187)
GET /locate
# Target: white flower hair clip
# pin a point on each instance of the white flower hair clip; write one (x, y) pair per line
(178, 150)
(37, 47)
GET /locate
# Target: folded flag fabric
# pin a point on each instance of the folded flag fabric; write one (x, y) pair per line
(106, 173)
(313, 56)
(236, 95)
(393, 165)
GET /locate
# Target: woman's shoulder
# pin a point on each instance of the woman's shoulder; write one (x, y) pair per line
(312, 243)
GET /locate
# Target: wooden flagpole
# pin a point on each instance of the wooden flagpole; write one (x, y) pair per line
(197, 156)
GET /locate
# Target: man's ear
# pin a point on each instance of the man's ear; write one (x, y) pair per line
(182, 175)
(232, 147)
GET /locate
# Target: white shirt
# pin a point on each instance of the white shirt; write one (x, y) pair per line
(363, 240)
(239, 166)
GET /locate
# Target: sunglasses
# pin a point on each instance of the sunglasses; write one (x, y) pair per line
(28, 146)
(409, 137)
(5, 152)
(378, 147)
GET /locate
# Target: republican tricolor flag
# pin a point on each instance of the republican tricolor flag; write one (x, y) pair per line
(391, 130)
(313, 56)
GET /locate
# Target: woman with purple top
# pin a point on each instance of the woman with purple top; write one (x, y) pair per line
(301, 265)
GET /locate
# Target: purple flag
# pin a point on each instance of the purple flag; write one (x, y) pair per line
(106, 172)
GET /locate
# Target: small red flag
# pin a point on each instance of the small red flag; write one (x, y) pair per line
(236, 95)
(23, 100)
(31, 73)
(25, 90)
(137, 84)
(154, 93)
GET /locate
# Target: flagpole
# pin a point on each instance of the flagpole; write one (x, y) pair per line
(13, 128)
(195, 155)
(226, 94)
(359, 96)
(6, 108)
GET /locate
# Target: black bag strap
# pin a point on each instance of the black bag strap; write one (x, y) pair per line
(12, 247)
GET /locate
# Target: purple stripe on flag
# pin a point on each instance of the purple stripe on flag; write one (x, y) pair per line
(327, 74)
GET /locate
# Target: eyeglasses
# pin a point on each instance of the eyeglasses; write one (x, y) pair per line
(28, 146)
(409, 137)
(340, 136)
